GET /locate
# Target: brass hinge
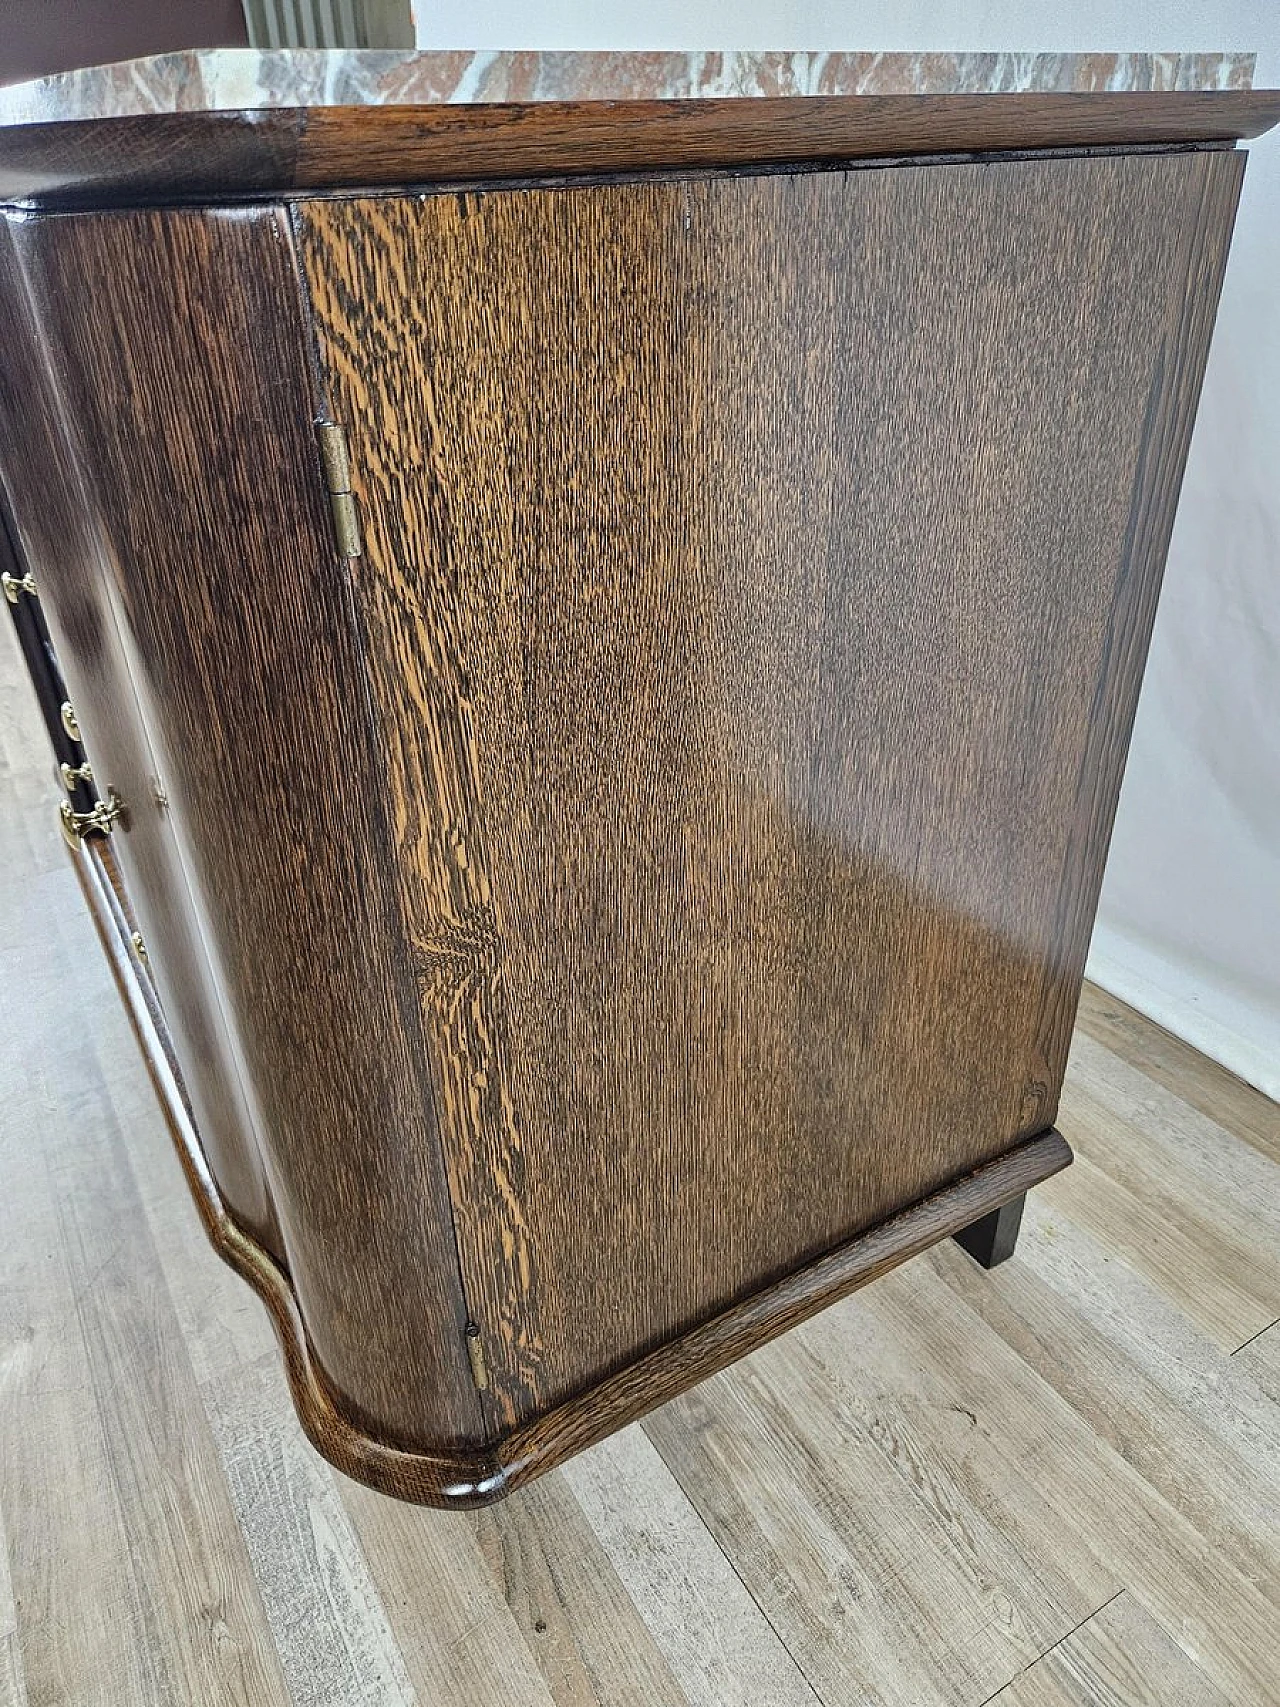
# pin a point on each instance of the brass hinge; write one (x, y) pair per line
(66, 711)
(337, 479)
(74, 774)
(16, 585)
(475, 1351)
(100, 819)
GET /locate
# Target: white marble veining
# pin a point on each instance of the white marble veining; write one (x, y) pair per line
(228, 78)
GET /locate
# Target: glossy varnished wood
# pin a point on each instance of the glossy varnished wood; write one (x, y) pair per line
(459, 1478)
(1047, 1480)
(227, 616)
(643, 897)
(1169, 406)
(59, 533)
(758, 576)
(209, 155)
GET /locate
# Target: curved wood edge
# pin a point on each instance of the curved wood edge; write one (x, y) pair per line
(423, 1477)
(277, 151)
(462, 1479)
(662, 1374)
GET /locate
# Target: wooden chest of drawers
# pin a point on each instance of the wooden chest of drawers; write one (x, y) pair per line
(607, 671)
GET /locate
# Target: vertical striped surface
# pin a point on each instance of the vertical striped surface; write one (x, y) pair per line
(1051, 1486)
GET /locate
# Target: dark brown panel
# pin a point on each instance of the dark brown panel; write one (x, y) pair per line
(1168, 417)
(169, 155)
(478, 1477)
(181, 353)
(62, 540)
(758, 577)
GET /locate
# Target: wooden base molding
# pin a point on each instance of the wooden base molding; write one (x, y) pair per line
(482, 1477)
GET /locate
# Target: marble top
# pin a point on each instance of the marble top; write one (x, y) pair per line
(221, 79)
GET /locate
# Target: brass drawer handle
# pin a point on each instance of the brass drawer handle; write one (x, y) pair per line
(101, 819)
(16, 585)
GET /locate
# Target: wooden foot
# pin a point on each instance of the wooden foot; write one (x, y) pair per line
(991, 1240)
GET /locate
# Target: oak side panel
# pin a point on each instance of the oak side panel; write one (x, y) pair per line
(480, 1475)
(1168, 418)
(180, 348)
(214, 155)
(63, 541)
(758, 575)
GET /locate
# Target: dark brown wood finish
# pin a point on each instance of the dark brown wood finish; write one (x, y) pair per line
(644, 896)
(462, 1478)
(994, 1238)
(1169, 415)
(758, 576)
(42, 663)
(189, 380)
(60, 537)
(274, 151)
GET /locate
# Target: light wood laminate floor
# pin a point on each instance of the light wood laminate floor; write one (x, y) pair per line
(1050, 1486)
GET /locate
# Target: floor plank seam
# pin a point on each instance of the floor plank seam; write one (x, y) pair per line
(746, 1587)
(1053, 1646)
(1256, 1336)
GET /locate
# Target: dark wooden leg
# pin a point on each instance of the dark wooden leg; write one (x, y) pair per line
(992, 1239)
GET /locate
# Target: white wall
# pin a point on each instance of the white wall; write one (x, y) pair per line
(1189, 927)
(882, 25)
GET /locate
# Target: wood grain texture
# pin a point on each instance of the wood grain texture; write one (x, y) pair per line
(758, 577)
(1170, 406)
(1120, 1657)
(59, 533)
(939, 1391)
(459, 1478)
(1259, 1359)
(708, 769)
(1063, 1432)
(189, 379)
(1173, 1064)
(1190, 1225)
(719, 1644)
(610, 1655)
(165, 156)
(135, 1575)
